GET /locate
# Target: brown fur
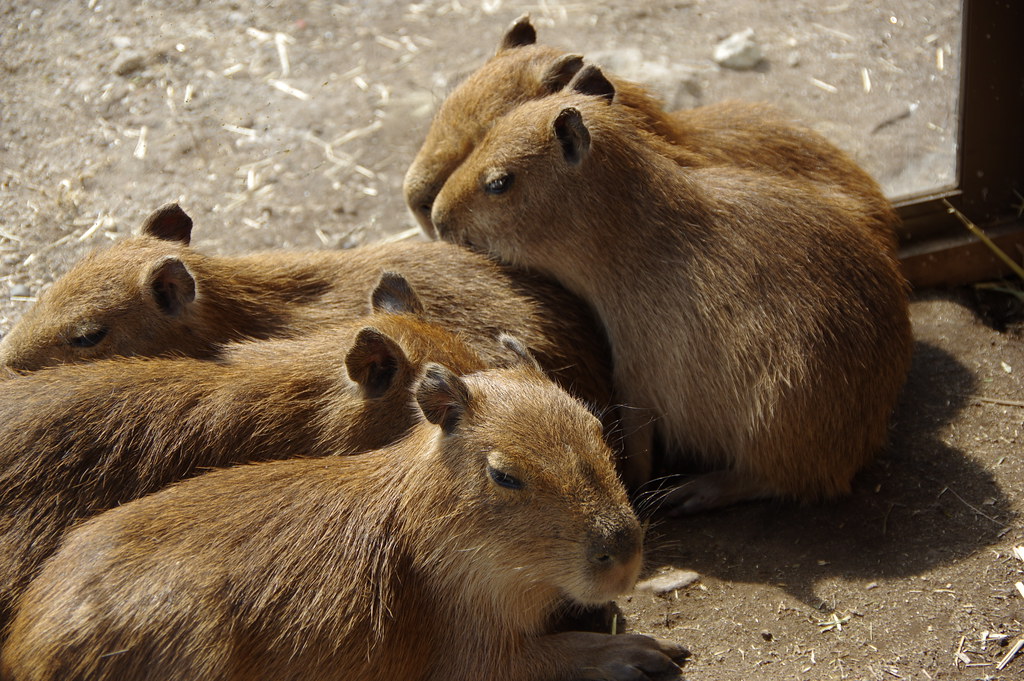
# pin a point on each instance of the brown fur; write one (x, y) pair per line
(749, 135)
(409, 563)
(75, 440)
(749, 313)
(153, 295)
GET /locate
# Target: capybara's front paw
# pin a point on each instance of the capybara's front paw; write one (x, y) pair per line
(709, 491)
(627, 657)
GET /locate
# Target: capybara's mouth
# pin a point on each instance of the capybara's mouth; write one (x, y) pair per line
(596, 587)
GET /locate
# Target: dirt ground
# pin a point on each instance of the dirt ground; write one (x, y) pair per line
(291, 124)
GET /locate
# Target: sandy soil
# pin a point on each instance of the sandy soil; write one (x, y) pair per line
(291, 125)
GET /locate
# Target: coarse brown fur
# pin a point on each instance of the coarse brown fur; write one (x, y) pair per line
(154, 295)
(439, 558)
(750, 313)
(78, 439)
(742, 134)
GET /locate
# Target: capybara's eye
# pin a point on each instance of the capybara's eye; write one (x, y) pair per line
(504, 479)
(499, 185)
(88, 340)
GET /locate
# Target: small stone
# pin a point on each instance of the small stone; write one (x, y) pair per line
(121, 42)
(669, 581)
(21, 291)
(129, 63)
(738, 51)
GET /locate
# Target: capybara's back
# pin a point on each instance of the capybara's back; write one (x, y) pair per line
(153, 295)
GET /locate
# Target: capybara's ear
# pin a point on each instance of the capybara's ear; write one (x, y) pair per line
(394, 295)
(560, 72)
(442, 396)
(521, 353)
(172, 285)
(572, 134)
(520, 33)
(590, 80)
(373, 361)
(170, 223)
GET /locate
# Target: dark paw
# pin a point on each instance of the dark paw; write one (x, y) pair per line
(634, 657)
(712, 490)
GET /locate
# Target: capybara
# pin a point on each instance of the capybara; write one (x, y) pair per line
(733, 133)
(442, 557)
(753, 321)
(152, 294)
(78, 439)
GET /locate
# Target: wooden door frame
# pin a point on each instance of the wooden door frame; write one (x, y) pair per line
(935, 248)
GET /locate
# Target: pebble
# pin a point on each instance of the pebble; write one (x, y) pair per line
(738, 51)
(669, 581)
(128, 63)
(21, 291)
